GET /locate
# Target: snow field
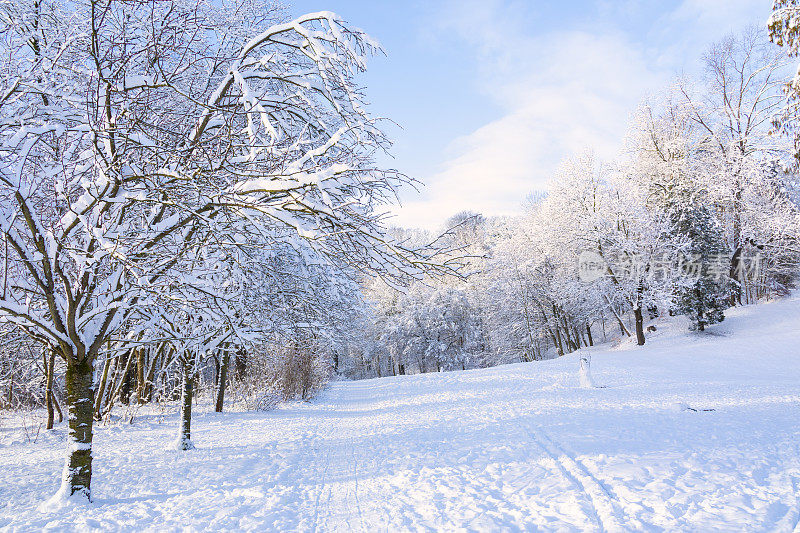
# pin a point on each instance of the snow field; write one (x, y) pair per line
(517, 447)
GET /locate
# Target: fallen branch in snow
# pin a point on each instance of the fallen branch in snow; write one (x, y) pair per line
(680, 406)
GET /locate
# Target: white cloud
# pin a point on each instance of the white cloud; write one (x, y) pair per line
(561, 92)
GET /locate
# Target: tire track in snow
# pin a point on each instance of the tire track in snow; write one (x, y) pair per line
(355, 483)
(338, 505)
(604, 509)
(323, 484)
(608, 498)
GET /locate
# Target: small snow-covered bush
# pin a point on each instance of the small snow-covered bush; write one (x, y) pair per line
(293, 369)
(302, 370)
(266, 401)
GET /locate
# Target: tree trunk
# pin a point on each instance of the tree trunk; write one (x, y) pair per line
(223, 378)
(570, 343)
(103, 382)
(738, 245)
(128, 378)
(589, 334)
(151, 375)
(637, 313)
(559, 344)
(80, 400)
(185, 437)
(622, 327)
(58, 409)
(603, 326)
(49, 366)
(240, 364)
(116, 391)
(736, 292)
(140, 373)
(578, 337)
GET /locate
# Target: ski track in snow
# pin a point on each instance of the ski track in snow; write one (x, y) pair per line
(603, 509)
(513, 448)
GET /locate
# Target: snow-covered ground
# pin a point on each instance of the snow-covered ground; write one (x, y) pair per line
(513, 447)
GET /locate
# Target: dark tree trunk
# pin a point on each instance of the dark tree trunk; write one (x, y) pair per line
(185, 437)
(559, 344)
(240, 364)
(103, 383)
(736, 293)
(58, 409)
(140, 373)
(80, 400)
(151, 374)
(49, 366)
(589, 334)
(577, 334)
(128, 378)
(738, 244)
(637, 313)
(570, 343)
(121, 370)
(223, 378)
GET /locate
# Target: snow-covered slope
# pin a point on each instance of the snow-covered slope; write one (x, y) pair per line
(513, 447)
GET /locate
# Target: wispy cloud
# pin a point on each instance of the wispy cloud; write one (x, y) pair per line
(561, 91)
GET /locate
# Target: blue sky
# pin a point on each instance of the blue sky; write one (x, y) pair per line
(491, 94)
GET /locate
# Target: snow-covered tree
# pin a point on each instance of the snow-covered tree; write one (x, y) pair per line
(602, 210)
(784, 31)
(733, 107)
(129, 132)
(701, 292)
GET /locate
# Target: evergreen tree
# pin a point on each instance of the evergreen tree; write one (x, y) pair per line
(701, 291)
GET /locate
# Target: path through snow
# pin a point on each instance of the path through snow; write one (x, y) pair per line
(514, 447)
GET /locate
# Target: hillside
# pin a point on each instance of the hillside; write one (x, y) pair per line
(518, 446)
